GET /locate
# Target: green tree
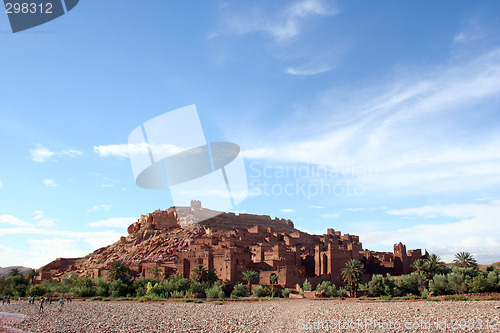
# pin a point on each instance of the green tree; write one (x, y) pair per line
(249, 276)
(32, 273)
(119, 271)
(199, 274)
(352, 274)
(421, 266)
(465, 259)
(14, 272)
(434, 265)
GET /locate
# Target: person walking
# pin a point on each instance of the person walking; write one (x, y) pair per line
(61, 303)
(40, 310)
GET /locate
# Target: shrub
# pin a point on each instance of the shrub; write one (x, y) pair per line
(285, 293)
(239, 290)
(478, 284)
(260, 291)
(83, 287)
(177, 294)
(306, 286)
(376, 286)
(492, 279)
(195, 289)
(413, 283)
(439, 285)
(215, 292)
(326, 289)
(342, 292)
(118, 288)
(37, 290)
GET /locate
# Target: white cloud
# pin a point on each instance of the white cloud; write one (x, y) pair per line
(50, 182)
(307, 70)
(43, 154)
(43, 220)
(281, 26)
(1, 184)
(38, 214)
(115, 222)
(120, 150)
(125, 150)
(12, 220)
(405, 128)
(95, 239)
(287, 210)
(317, 207)
(289, 26)
(49, 223)
(460, 37)
(330, 216)
(44, 251)
(96, 208)
(475, 230)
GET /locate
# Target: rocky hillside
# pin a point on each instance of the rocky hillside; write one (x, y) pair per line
(158, 236)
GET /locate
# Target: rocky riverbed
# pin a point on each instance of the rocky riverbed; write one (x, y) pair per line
(261, 316)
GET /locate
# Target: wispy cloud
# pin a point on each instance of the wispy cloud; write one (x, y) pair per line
(125, 150)
(475, 230)
(287, 210)
(95, 239)
(96, 208)
(308, 70)
(43, 220)
(115, 222)
(12, 220)
(50, 182)
(316, 207)
(330, 216)
(284, 25)
(43, 154)
(405, 127)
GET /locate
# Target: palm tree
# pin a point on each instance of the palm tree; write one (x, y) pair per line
(249, 276)
(14, 272)
(420, 265)
(199, 273)
(352, 274)
(273, 278)
(119, 271)
(32, 273)
(434, 264)
(465, 259)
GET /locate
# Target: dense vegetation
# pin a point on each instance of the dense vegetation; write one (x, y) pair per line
(430, 276)
(202, 283)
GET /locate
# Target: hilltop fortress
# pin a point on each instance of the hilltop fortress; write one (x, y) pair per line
(178, 239)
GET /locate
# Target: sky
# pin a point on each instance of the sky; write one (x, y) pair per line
(380, 119)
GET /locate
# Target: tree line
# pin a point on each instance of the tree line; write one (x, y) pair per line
(430, 276)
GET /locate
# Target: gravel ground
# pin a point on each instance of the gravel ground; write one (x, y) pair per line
(266, 316)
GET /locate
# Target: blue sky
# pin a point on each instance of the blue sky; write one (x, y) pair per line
(398, 101)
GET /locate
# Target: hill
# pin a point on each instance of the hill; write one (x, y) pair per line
(4, 271)
(179, 239)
